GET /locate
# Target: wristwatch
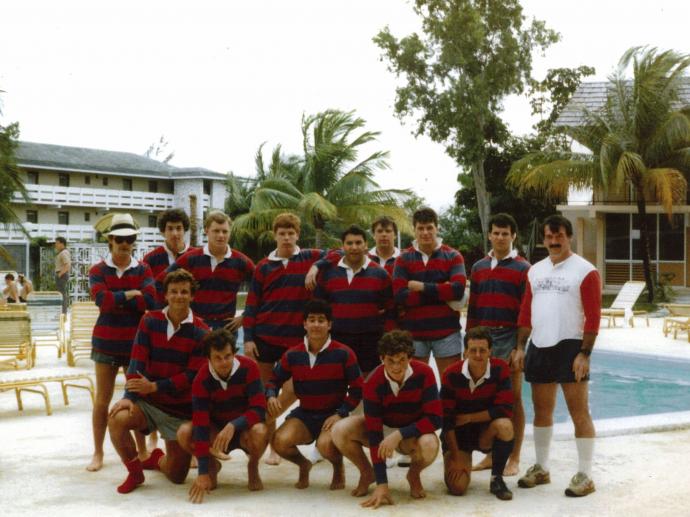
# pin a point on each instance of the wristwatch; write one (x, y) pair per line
(586, 351)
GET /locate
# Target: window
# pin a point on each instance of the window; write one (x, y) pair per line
(63, 180)
(63, 218)
(105, 182)
(207, 187)
(153, 221)
(32, 177)
(617, 236)
(87, 217)
(153, 186)
(671, 237)
(87, 180)
(32, 216)
(651, 228)
(126, 184)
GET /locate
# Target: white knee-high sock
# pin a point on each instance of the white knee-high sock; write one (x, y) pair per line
(542, 445)
(585, 451)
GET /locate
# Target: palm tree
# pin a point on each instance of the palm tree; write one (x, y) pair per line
(639, 140)
(10, 181)
(327, 186)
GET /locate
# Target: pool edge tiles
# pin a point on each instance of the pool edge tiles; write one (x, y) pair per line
(638, 424)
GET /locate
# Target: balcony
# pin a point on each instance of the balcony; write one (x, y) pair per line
(73, 233)
(96, 198)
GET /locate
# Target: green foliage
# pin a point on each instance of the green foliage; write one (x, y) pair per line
(639, 140)
(472, 54)
(329, 186)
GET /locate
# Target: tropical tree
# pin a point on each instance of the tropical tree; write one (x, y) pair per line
(329, 186)
(639, 140)
(470, 56)
(10, 180)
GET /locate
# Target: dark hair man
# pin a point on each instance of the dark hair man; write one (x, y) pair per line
(402, 412)
(477, 407)
(229, 410)
(328, 385)
(497, 285)
(561, 310)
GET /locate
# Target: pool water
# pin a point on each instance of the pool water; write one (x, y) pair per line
(624, 384)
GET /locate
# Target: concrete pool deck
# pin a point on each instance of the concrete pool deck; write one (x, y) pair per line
(42, 462)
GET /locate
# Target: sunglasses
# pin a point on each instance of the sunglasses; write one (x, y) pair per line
(129, 239)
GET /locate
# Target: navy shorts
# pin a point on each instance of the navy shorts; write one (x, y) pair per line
(365, 347)
(235, 442)
(552, 364)
(467, 437)
(111, 360)
(312, 420)
(268, 353)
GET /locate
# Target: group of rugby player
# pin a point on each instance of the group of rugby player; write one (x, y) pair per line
(331, 329)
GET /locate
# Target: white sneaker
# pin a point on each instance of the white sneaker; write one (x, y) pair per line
(404, 461)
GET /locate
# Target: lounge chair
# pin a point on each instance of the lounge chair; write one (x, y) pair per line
(38, 385)
(82, 322)
(47, 320)
(678, 319)
(15, 338)
(623, 304)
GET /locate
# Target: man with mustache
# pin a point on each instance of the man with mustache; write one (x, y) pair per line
(561, 310)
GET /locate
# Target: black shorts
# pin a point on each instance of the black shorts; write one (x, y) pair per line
(312, 420)
(365, 347)
(467, 437)
(552, 364)
(234, 443)
(268, 353)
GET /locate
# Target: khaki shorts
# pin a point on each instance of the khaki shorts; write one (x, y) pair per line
(157, 419)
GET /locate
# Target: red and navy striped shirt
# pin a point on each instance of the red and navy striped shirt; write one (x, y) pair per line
(119, 318)
(215, 299)
(171, 364)
(332, 385)
(241, 403)
(427, 315)
(496, 294)
(158, 260)
(363, 306)
(273, 311)
(494, 394)
(416, 410)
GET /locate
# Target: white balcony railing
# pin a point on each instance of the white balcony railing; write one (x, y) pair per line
(96, 197)
(73, 233)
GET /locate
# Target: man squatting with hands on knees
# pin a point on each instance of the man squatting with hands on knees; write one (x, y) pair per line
(328, 384)
(229, 409)
(402, 411)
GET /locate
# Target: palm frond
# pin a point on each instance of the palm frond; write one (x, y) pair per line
(667, 186)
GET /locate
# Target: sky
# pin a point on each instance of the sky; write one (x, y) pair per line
(219, 78)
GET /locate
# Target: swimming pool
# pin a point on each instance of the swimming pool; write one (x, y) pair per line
(624, 384)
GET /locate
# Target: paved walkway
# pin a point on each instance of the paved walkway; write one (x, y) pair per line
(42, 462)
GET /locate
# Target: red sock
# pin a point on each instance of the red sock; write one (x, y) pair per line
(135, 477)
(151, 463)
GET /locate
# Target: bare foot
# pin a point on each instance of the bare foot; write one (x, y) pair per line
(96, 462)
(485, 464)
(512, 467)
(254, 482)
(338, 481)
(142, 455)
(303, 481)
(416, 488)
(365, 480)
(273, 458)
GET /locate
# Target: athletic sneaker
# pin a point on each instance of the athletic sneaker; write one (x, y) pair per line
(499, 489)
(580, 485)
(404, 461)
(534, 476)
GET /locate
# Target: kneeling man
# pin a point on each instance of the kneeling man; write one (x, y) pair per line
(229, 409)
(477, 408)
(166, 356)
(328, 384)
(402, 412)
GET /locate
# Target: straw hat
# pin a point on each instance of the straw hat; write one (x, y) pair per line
(123, 225)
